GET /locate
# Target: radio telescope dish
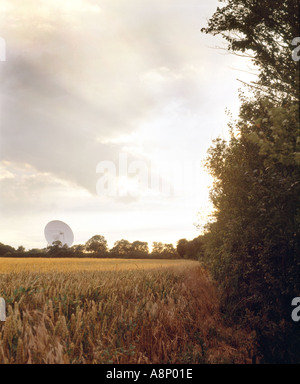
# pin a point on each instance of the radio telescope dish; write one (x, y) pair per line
(58, 231)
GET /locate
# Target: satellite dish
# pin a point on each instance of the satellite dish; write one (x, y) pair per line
(58, 231)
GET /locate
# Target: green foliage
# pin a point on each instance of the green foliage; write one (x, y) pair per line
(193, 249)
(97, 245)
(263, 30)
(253, 244)
(57, 249)
(163, 251)
(121, 248)
(139, 250)
(78, 250)
(6, 250)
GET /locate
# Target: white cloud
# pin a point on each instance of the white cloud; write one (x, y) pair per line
(87, 80)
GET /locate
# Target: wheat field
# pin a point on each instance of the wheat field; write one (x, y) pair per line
(80, 311)
(87, 264)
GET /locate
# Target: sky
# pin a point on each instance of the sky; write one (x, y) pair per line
(107, 110)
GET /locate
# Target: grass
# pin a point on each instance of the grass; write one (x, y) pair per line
(114, 311)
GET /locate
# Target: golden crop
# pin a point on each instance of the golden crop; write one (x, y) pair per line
(86, 264)
(135, 311)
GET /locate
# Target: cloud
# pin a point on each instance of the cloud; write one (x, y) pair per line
(29, 199)
(87, 80)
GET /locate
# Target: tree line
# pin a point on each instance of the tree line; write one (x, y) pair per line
(97, 247)
(253, 242)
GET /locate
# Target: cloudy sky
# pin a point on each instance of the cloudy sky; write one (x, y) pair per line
(107, 110)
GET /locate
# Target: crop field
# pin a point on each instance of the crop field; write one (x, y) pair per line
(87, 264)
(77, 311)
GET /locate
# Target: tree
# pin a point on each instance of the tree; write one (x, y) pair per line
(139, 250)
(196, 248)
(181, 247)
(169, 252)
(193, 249)
(262, 30)
(57, 244)
(163, 251)
(78, 249)
(121, 248)
(20, 251)
(57, 249)
(97, 245)
(253, 244)
(6, 250)
(157, 249)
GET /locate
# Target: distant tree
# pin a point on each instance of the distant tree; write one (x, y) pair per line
(20, 251)
(163, 251)
(170, 252)
(196, 248)
(181, 247)
(6, 250)
(122, 248)
(78, 250)
(97, 245)
(57, 244)
(157, 249)
(56, 249)
(36, 252)
(193, 249)
(139, 250)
